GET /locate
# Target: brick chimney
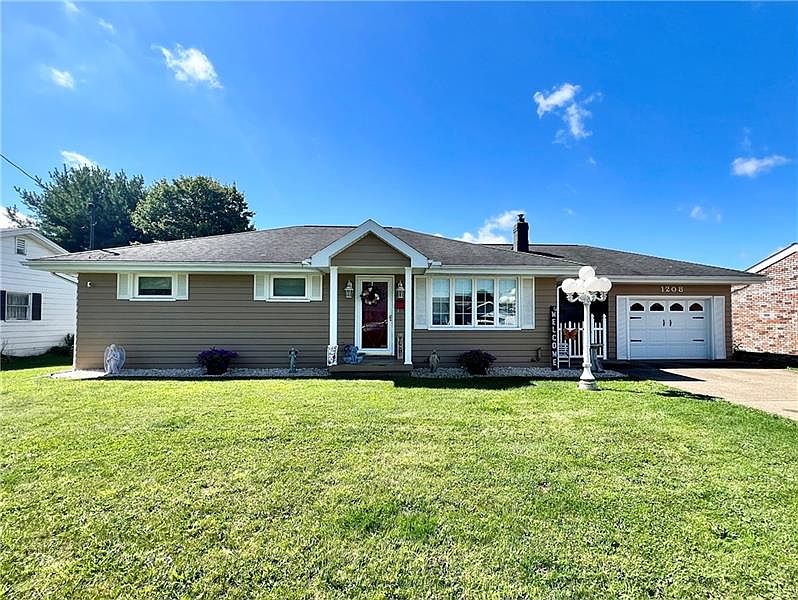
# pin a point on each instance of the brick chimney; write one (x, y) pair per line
(521, 235)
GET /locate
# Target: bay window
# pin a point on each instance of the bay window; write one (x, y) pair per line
(474, 302)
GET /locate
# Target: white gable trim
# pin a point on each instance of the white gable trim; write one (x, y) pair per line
(774, 258)
(32, 233)
(322, 257)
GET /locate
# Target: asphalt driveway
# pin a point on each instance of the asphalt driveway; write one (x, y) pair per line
(770, 389)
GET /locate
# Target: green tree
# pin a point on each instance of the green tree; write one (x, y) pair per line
(61, 209)
(189, 207)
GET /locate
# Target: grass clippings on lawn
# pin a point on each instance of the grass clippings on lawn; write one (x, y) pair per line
(418, 488)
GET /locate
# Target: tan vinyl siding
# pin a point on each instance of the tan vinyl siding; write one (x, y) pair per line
(510, 347)
(220, 311)
(647, 290)
(370, 251)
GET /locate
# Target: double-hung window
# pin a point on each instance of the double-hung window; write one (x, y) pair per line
(17, 307)
(441, 302)
(463, 304)
(474, 302)
(485, 302)
(508, 302)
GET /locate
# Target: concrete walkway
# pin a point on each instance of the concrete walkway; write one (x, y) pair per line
(771, 390)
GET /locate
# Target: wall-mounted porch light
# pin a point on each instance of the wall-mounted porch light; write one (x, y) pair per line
(400, 291)
(349, 289)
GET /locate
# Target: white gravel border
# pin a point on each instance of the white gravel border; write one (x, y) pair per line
(441, 373)
(530, 372)
(193, 373)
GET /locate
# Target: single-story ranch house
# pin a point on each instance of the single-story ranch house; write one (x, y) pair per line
(396, 294)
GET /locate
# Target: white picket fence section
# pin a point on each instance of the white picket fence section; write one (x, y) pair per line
(572, 348)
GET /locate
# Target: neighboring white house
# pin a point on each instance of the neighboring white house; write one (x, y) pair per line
(37, 309)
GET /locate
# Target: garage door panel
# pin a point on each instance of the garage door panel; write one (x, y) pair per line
(668, 328)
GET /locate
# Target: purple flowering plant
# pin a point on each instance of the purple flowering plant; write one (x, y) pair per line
(216, 360)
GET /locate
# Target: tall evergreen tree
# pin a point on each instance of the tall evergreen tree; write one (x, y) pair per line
(61, 209)
(192, 207)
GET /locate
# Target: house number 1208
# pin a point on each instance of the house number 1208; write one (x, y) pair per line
(672, 289)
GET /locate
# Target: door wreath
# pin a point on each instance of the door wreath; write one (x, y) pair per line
(370, 296)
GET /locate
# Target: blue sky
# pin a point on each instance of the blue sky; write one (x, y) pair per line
(663, 129)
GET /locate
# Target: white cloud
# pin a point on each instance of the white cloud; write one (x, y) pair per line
(62, 78)
(751, 167)
(575, 116)
(491, 230)
(699, 213)
(107, 25)
(190, 65)
(570, 212)
(557, 97)
(71, 7)
(75, 159)
(563, 102)
(591, 161)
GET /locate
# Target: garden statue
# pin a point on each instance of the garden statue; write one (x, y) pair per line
(114, 359)
(351, 356)
(292, 354)
(434, 361)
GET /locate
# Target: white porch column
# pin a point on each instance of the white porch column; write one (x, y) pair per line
(333, 306)
(408, 316)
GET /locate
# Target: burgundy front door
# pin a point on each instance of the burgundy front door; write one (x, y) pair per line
(375, 313)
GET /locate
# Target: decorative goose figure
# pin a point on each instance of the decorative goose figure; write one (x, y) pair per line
(434, 361)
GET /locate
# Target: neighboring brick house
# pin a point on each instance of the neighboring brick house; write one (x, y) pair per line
(765, 316)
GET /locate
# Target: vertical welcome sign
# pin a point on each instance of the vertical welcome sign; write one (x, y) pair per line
(555, 356)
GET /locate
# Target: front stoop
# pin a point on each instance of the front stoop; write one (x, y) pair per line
(372, 365)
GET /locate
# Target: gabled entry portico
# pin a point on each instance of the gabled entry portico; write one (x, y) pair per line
(373, 318)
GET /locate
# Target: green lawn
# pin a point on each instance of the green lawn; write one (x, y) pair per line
(299, 489)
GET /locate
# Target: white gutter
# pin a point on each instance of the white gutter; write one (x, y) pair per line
(493, 269)
(120, 266)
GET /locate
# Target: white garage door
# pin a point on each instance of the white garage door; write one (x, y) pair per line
(668, 328)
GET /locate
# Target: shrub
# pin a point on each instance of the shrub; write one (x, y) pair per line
(476, 362)
(216, 360)
(66, 346)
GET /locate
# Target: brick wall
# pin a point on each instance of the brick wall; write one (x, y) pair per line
(765, 316)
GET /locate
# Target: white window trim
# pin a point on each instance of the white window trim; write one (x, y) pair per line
(268, 286)
(135, 297)
(28, 315)
(20, 242)
(270, 297)
(474, 326)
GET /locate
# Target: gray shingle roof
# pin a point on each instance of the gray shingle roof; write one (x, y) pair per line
(292, 245)
(628, 264)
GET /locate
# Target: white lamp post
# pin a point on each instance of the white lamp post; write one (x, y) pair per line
(588, 288)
